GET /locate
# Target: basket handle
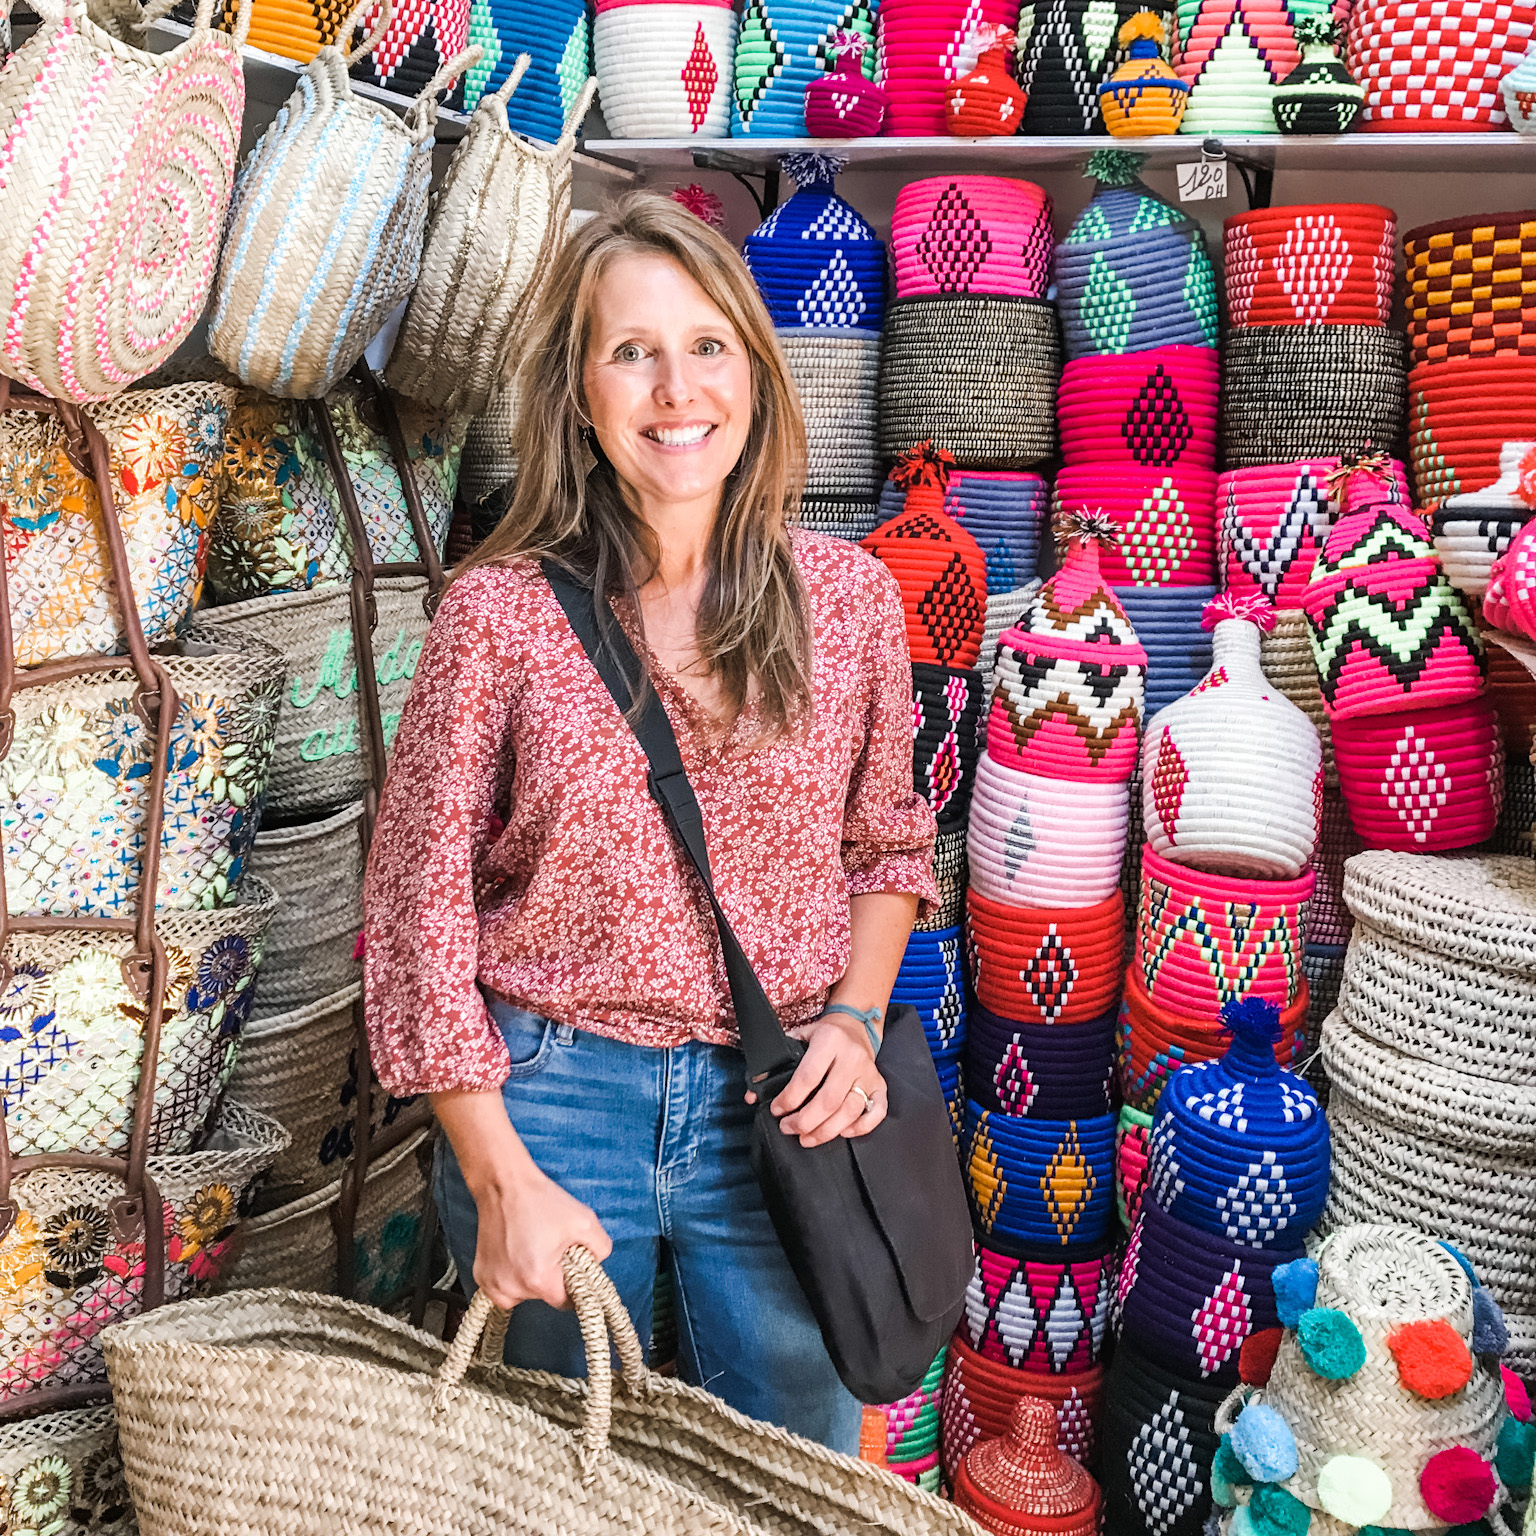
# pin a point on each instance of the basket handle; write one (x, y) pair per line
(355, 21)
(602, 1317)
(503, 93)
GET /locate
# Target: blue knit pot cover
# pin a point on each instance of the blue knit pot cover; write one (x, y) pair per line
(557, 35)
(816, 261)
(782, 46)
(932, 980)
(1239, 1146)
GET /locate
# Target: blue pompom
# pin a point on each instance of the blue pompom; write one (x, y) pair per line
(1331, 1344)
(1489, 1335)
(1295, 1289)
(1255, 1017)
(1461, 1259)
(1264, 1444)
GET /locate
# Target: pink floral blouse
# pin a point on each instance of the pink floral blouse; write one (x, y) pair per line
(518, 849)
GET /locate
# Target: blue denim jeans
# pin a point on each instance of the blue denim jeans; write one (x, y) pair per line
(658, 1143)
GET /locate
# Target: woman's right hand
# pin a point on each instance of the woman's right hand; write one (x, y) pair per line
(526, 1225)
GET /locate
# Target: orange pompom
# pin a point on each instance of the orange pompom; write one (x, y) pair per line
(1432, 1358)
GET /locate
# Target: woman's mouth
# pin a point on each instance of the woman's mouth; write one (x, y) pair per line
(689, 436)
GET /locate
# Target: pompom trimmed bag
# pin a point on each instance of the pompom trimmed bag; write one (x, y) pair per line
(116, 166)
(325, 231)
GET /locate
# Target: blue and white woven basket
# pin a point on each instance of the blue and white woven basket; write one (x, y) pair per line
(557, 35)
(663, 67)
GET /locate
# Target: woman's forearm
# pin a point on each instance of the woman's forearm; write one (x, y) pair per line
(491, 1154)
(880, 923)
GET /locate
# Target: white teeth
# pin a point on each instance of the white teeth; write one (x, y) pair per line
(680, 437)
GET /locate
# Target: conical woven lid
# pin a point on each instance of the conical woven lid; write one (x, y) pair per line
(1122, 211)
(1374, 534)
(1076, 613)
(815, 212)
(1025, 1471)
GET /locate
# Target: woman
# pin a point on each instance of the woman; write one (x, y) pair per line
(539, 959)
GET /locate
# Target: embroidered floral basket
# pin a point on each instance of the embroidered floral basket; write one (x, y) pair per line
(280, 526)
(316, 869)
(325, 230)
(68, 1269)
(295, 1245)
(72, 1031)
(167, 446)
(118, 164)
(63, 1473)
(320, 761)
(489, 248)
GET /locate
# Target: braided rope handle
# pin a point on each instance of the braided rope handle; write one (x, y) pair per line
(602, 1318)
(354, 23)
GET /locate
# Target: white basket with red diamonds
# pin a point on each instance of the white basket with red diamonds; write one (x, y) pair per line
(664, 67)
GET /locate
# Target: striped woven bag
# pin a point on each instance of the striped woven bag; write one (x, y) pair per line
(115, 172)
(325, 234)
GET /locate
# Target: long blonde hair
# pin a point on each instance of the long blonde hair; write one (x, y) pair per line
(754, 625)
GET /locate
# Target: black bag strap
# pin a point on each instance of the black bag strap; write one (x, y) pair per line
(768, 1050)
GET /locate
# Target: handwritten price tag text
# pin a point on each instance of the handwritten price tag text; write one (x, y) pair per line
(1201, 180)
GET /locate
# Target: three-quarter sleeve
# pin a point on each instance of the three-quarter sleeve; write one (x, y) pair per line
(428, 1026)
(888, 828)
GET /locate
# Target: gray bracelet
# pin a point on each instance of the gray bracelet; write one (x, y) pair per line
(868, 1017)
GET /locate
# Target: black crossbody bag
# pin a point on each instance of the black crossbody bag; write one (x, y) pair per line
(875, 1227)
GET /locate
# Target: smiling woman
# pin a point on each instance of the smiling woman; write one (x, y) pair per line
(539, 958)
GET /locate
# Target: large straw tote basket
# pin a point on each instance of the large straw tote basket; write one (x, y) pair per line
(299, 1068)
(319, 762)
(325, 230)
(65, 1467)
(368, 1426)
(76, 780)
(118, 168)
(71, 1268)
(73, 1040)
(295, 1245)
(316, 868)
(280, 525)
(167, 449)
(491, 239)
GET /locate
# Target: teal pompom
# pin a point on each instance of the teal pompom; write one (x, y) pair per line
(1461, 1259)
(1515, 1453)
(1263, 1442)
(1295, 1289)
(1274, 1512)
(1114, 167)
(1331, 1343)
(1242, 1522)
(1489, 1334)
(1384, 1530)
(1227, 1473)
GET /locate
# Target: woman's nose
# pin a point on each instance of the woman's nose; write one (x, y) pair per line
(674, 385)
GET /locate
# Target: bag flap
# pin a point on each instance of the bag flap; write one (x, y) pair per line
(911, 1176)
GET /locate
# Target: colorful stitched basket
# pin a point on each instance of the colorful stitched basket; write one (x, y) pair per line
(785, 46)
(167, 449)
(66, 1468)
(1025, 1481)
(663, 67)
(1319, 264)
(292, 29)
(1155, 408)
(1319, 95)
(986, 102)
(1132, 1134)
(1067, 50)
(971, 234)
(77, 781)
(1039, 1072)
(1143, 97)
(490, 242)
(931, 979)
(1461, 412)
(325, 230)
(421, 37)
(836, 372)
(845, 103)
(1166, 519)
(1004, 511)
(556, 35)
(1473, 529)
(816, 261)
(1167, 621)
(946, 719)
(119, 167)
(1471, 286)
(924, 46)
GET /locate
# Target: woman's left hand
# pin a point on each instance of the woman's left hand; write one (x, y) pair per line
(838, 1058)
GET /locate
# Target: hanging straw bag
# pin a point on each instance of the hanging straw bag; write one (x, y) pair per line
(116, 166)
(325, 230)
(404, 1433)
(488, 252)
(65, 1471)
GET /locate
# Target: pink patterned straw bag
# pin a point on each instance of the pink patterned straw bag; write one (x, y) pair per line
(116, 166)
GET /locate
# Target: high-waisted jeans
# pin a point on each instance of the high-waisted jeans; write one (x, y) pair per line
(658, 1143)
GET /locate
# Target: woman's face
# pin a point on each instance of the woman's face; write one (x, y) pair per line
(668, 384)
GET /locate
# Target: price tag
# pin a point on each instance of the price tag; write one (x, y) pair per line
(1201, 180)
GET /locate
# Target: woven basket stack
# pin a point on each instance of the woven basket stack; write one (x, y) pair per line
(1471, 301)
(909, 1432)
(970, 355)
(784, 46)
(663, 67)
(821, 270)
(557, 35)
(1067, 50)
(1430, 1059)
(925, 46)
(1045, 929)
(1239, 1163)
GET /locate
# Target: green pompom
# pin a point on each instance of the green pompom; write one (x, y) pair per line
(1274, 1512)
(1114, 167)
(1227, 1474)
(1354, 1490)
(1331, 1344)
(1516, 1450)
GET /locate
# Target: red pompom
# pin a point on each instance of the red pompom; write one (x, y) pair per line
(1256, 1359)
(1458, 1486)
(1256, 609)
(701, 203)
(1516, 1398)
(1432, 1358)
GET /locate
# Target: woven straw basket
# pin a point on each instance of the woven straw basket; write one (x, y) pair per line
(295, 1245)
(91, 1496)
(405, 1434)
(298, 1067)
(118, 168)
(167, 451)
(76, 780)
(319, 761)
(317, 871)
(489, 248)
(325, 230)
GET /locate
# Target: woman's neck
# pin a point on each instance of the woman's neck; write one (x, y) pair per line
(682, 531)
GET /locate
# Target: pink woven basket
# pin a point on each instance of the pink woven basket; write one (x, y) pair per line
(1166, 517)
(924, 45)
(971, 234)
(1154, 408)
